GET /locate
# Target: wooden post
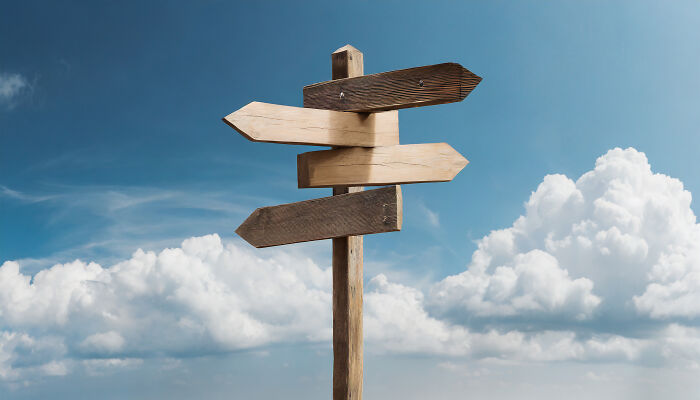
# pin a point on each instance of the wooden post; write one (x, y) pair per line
(347, 62)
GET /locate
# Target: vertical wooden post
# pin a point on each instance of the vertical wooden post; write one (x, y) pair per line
(347, 62)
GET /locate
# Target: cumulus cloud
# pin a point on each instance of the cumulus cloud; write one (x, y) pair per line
(530, 283)
(604, 269)
(200, 298)
(618, 241)
(675, 289)
(219, 297)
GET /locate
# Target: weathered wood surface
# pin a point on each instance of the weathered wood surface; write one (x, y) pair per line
(357, 166)
(347, 318)
(362, 213)
(263, 122)
(406, 88)
(347, 62)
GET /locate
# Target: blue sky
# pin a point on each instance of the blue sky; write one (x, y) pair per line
(111, 140)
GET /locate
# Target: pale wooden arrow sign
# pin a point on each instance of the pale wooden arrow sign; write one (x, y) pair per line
(389, 165)
(360, 213)
(263, 122)
(413, 87)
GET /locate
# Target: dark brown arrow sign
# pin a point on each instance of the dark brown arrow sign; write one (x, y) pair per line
(361, 213)
(406, 88)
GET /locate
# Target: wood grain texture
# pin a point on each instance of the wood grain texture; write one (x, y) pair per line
(406, 88)
(357, 166)
(361, 213)
(263, 122)
(347, 62)
(347, 318)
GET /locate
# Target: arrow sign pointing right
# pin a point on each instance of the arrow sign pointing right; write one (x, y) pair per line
(360, 213)
(390, 165)
(405, 88)
(262, 122)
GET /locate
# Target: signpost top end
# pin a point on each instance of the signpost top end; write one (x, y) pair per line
(347, 62)
(349, 48)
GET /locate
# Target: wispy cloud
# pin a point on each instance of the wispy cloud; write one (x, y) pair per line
(11, 88)
(432, 217)
(107, 223)
(23, 197)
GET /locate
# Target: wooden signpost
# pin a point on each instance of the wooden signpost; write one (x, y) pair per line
(356, 115)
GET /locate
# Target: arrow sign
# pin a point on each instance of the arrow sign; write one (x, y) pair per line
(357, 166)
(262, 122)
(413, 87)
(360, 213)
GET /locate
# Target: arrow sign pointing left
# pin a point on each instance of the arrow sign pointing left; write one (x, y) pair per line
(360, 213)
(263, 122)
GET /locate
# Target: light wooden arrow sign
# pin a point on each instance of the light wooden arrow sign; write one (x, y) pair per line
(413, 87)
(360, 213)
(262, 122)
(357, 166)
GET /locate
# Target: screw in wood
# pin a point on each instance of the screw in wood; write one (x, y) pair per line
(342, 95)
(420, 83)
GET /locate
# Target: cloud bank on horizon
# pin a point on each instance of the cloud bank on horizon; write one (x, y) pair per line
(602, 269)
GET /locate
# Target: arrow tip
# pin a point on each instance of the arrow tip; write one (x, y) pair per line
(237, 121)
(246, 229)
(458, 161)
(468, 82)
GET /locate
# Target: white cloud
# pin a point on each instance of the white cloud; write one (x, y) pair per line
(107, 342)
(54, 368)
(619, 240)
(530, 283)
(675, 288)
(681, 342)
(11, 86)
(201, 298)
(432, 217)
(21, 354)
(395, 316)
